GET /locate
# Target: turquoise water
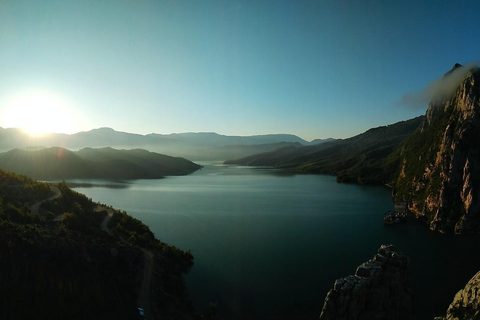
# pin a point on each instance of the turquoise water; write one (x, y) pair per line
(269, 245)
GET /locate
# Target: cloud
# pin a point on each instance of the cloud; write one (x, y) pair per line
(438, 88)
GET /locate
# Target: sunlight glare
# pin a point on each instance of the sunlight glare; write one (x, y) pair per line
(38, 112)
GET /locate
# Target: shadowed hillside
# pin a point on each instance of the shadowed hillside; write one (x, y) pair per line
(62, 265)
(107, 163)
(366, 158)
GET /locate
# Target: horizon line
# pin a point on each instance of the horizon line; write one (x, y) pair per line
(155, 133)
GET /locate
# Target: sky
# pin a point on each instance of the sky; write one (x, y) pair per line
(316, 69)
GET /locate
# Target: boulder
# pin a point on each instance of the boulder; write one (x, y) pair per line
(380, 289)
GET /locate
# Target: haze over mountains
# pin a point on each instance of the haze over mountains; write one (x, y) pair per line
(193, 146)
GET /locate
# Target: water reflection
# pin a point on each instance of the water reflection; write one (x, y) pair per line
(100, 184)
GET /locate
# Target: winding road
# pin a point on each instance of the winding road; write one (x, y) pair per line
(109, 215)
(144, 299)
(36, 206)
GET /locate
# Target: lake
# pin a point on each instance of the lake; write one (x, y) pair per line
(269, 244)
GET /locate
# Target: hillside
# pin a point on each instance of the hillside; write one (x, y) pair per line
(365, 158)
(62, 265)
(107, 163)
(440, 164)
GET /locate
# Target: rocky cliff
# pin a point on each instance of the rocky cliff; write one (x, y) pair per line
(380, 289)
(466, 303)
(440, 163)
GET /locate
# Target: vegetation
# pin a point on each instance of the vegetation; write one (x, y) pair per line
(106, 163)
(19, 190)
(418, 153)
(439, 172)
(62, 265)
(369, 158)
(433, 161)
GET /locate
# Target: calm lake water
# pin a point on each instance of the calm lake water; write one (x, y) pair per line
(269, 245)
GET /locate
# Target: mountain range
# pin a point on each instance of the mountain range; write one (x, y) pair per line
(194, 146)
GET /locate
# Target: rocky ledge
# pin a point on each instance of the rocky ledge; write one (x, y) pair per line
(466, 303)
(380, 289)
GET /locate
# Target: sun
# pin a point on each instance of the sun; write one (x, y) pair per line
(38, 112)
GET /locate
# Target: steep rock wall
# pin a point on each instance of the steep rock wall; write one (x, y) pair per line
(440, 167)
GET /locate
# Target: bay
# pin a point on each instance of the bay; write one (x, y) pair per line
(269, 244)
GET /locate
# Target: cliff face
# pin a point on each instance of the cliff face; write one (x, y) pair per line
(380, 289)
(466, 303)
(440, 163)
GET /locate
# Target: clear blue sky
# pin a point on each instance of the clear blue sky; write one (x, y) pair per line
(316, 69)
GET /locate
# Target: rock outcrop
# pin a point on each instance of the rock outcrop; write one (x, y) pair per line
(440, 163)
(380, 289)
(466, 303)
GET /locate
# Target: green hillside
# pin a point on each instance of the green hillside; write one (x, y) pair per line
(60, 262)
(57, 164)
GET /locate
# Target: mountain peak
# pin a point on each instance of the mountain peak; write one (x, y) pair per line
(457, 65)
(104, 129)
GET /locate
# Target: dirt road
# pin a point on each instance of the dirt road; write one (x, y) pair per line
(36, 206)
(109, 215)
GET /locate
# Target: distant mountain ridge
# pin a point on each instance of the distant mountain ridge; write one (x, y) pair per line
(194, 146)
(58, 164)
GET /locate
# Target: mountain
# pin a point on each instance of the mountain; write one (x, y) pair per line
(58, 163)
(365, 158)
(154, 164)
(196, 146)
(318, 141)
(439, 175)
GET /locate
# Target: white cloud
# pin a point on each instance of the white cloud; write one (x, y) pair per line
(439, 88)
